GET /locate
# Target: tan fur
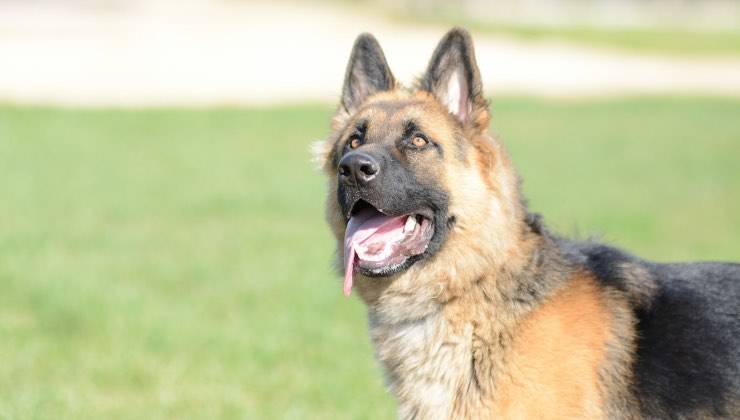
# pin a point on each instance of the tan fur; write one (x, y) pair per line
(552, 369)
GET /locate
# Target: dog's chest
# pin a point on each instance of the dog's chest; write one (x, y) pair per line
(426, 362)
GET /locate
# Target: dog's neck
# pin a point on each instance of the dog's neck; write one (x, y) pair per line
(427, 337)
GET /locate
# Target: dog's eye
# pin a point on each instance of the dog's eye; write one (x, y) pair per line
(419, 141)
(355, 142)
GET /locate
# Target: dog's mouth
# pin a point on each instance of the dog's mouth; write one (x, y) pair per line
(377, 244)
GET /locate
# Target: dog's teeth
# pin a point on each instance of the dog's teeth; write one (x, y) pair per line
(410, 224)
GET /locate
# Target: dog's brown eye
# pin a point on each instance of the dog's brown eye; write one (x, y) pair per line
(419, 141)
(354, 143)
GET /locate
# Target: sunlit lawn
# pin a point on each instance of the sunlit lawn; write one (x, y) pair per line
(175, 264)
(647, 40)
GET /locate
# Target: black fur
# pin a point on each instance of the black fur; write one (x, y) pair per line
(688, 352)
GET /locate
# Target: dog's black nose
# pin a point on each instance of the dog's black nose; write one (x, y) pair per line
(358, 168)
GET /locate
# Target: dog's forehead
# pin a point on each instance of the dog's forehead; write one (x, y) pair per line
(389, 117)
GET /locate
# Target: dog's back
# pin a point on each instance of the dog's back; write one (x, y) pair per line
(688, 354)
(687, 361)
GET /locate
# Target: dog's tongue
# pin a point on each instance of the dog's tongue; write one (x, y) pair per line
(371, 236)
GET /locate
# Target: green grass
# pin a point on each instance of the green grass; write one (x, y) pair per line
(175, 264)
(649, 40)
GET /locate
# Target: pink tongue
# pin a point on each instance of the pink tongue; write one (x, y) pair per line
(367, 228)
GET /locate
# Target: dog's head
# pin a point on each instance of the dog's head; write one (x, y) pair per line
(415, 182)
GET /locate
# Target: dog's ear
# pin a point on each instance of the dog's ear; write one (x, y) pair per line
(367, 73)
(454, 79)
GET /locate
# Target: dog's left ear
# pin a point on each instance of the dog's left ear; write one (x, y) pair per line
(454, 79)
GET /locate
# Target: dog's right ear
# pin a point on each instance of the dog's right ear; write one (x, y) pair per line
(367, 73)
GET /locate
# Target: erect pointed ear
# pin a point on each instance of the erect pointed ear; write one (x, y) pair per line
(453, 77)
(367, 73)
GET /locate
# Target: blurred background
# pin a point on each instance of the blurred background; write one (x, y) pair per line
(162, 246)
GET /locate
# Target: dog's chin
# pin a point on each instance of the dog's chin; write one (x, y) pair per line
(371, 269)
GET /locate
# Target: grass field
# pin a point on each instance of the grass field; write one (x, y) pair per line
(665, 40)
(646, 40)
(175, 264)
(656, 39)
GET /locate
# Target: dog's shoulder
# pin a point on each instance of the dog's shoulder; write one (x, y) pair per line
(687, 350)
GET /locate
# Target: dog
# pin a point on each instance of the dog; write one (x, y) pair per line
(475, 309)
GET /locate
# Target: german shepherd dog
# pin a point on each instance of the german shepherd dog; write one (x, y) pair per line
(475, 309)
